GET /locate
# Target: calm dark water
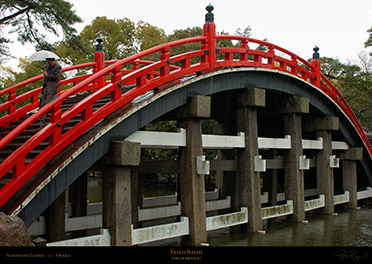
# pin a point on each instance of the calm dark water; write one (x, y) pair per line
(348, 228)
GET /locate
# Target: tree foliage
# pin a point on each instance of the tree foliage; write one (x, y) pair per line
(333, 69)
(356, 87)
(122, 38)
(368, 43)
(26, 18)
(117, 34)
(354, 80)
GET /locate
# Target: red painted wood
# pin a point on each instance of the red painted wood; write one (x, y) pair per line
(148, 75)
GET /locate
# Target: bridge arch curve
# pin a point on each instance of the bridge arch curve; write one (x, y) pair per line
(88, 149)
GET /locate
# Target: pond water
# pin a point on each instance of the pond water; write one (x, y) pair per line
(347, 228)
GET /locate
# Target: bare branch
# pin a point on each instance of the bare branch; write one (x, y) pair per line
(4, 19)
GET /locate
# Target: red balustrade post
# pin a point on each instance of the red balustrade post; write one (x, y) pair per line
(165, 55)
(116, 77)
(99, 58)
(87, 113)
(271, 60)
(12, 96)
(135, 65)
(55, 116)
(294, 69)
(18, 168)
(316, 64)
(209, 30)
(244, 45)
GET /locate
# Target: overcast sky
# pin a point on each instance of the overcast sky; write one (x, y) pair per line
(338, 27)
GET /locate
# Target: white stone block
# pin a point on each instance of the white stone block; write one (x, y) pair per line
(303, 163)
(227, 220)
(202, 165)
(274, 143)
(364, 194)
(159, 212)
(98, 240)
(312, 144)
(342, 198)
(259, 164)
(334, 162)
(223, 142)
(277, 210)
(315, 203)
(218, 204)
(160, 232)
(155, 139)
(339, 145)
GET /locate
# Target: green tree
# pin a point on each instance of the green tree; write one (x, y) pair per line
(368, 43)
(354, 83)
(357, 91)
(182, 34)
(24, 16)
(148, 36)
(10, 77)
(333, 69)
(186, 33)
(118, 36)
(28, 69)
(73, 50)
(121, 38)
(246, 32)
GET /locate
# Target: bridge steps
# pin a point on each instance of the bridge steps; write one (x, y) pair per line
(34, 128)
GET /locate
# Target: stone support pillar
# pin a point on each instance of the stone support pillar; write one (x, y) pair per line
(248, 178)
(192, 186)
(349, 173)
(293, 109)
(78, 191)
(323, 128)
(55, 216)
(117, 193)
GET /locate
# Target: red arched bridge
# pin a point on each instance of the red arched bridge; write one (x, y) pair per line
(120, 97)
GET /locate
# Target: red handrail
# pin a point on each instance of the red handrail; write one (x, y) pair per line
(16, 162)
(12, 112)
(154, 75)
(293, 67)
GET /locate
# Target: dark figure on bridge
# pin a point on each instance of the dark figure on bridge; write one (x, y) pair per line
(52, 75)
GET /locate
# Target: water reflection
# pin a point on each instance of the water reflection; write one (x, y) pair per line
(348, 228)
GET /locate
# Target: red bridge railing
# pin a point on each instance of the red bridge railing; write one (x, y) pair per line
(151, 75)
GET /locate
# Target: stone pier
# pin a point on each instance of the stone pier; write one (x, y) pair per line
(349, 173)
(192, 184)
(323, 128)
(292, 112)
(117, 193)
(248, 177)
(55, 219)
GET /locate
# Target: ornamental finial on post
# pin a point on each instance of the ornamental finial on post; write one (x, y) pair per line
(209, 17)
(99, 46)
(316, 67)
(316, 54)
